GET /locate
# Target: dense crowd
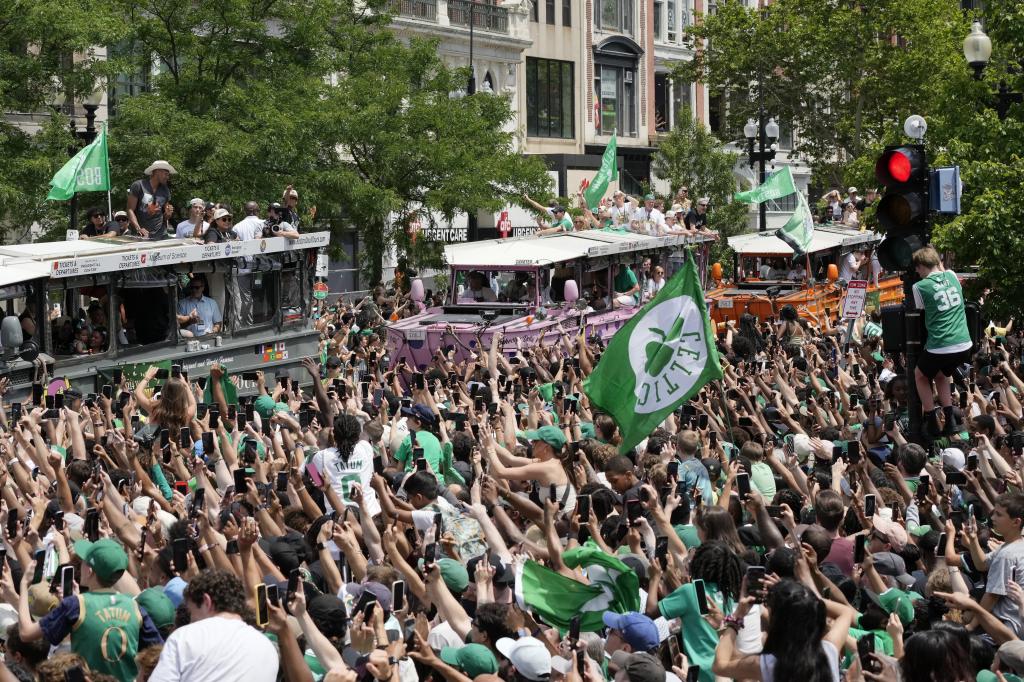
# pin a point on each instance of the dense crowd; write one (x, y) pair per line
(475, 518)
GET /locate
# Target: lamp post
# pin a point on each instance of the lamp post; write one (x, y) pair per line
(90, 104)
(471, 86)
(977, 51)
(764, 133)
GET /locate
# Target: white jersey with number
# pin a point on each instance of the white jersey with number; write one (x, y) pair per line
(342, 474)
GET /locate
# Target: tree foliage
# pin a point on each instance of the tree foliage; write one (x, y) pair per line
(691, 156)
(249, 96)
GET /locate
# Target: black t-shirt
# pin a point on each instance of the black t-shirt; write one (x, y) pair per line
(213, 235)
(695, 220)
(149, 209)
(111, 226)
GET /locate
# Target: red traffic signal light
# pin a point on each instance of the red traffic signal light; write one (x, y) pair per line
(898, 165)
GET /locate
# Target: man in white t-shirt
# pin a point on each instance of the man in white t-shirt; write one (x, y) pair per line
(194, 225)
(652, 221)
(357, 468)
(852, 262)
(250, 227)
(217, 644)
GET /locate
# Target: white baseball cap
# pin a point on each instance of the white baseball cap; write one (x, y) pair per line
(197, 202)
(530, 657)
(160, 164)
(851, 190)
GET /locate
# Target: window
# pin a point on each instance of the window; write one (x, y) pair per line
(549, 98)
(681, 104)
(785, 135)
(670, 20)
(614, 15)
(549, 8)
(144, 305)
(135, 82)
(662, 123)
(566, 12)
(615, 91)
(79, 324)
(534, 10)
(658, 25)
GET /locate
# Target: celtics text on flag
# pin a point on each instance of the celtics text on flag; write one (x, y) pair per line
(658, 360)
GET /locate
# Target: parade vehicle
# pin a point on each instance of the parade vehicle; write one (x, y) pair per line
(809, 283)
(523, 288)
(81, 312)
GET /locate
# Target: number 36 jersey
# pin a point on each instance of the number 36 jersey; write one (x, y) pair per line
(940, 296)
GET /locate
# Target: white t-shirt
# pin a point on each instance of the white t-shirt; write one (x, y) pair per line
(217, 650)
(653, 287)
(186, 228)
(652, 219)
(620, 214)
(250, 227)
(849, 269)
(358, 469)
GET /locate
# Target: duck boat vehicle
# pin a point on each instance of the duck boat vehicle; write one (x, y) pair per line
(766, 276)
(81, 312)
(526, 288)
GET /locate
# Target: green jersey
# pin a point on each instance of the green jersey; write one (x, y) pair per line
(565, 224)
(107, 633)
(940, 296)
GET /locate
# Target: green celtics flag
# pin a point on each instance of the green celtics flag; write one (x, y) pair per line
(799, 229)
(658, 360)
(609, 171)
(777, 185)
(556, 598)
(87, 171)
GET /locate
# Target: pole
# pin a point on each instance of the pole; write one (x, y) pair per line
(912, 328)
(471, 87)
(762, 208)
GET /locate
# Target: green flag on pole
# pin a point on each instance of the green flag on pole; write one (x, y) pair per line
(777, 185)
(658, 360)
(609, 171)
(87, 171)
(799, 229)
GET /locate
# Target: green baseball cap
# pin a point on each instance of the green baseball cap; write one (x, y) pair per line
(158, 605)
(472, 659)
(552, 435)
(266, 406)
(649, 197)
(454, 574)
(105, 557)
(587, 430)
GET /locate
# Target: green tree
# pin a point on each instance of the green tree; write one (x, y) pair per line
(843, 75)
(691, 156)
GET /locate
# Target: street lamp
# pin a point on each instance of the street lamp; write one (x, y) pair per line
(977, 51)
(471, 87)
(765, 134)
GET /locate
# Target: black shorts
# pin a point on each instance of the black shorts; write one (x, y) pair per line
(931, 364)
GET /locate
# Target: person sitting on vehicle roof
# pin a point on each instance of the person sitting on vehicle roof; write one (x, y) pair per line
(560, 222)
(277, 225)
(478, 289)
(198, 314)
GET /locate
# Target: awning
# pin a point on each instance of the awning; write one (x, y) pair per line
(824, 239)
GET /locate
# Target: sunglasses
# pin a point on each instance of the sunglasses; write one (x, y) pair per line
(122, 219)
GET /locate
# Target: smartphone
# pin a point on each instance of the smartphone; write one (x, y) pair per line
(117, 376)
(92, 524)
(184, 436)
(37, 394)
(241, 488)
(176, 371)
(274, 595)
(232, 547)
(162, 374)
(181, 487)
(956, 478)
(202, 383)
(107, 391)
(869, 506)
(673, 470)
(774, 511)
(419, 381)
(421, 463)
(58, 401)
(58, 519)
(922, 487)
(972, 461)
(293, 582)
(50, 402)
(743, 484)
(431, 554)
(283, 381)
(208, 445)
(633, 511)
(553, 492)
(755, 583)
(837, 453)
(853, 451)
(859, 549)
(282, 482)
(661, 551)
(693, 673)
(702, 597)
(314, 475)
(866, 647)
(179, 548)
(713, 439)
(12, 523)
(397, 595)
(262, 607)
(940, 549)
(963, 401)
(198, 500)
(67, 580)
(583, 508)
(250, 376)
(574, 628)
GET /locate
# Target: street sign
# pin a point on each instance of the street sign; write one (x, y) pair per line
(856, 296)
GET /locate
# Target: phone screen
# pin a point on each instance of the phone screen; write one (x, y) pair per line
(633, 510)
(397, 595)
(282, 481)
(743, 484)
(180, 554)
(869, 505)
(67, 580)
(755, 582)
(583, 508)
(859, 549)
(574, 628)
(702, 597)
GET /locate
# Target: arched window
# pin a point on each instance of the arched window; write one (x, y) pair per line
(615, 85)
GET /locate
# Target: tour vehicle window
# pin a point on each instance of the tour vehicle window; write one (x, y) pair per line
(252, 297)
(496, 286)
(144, 307)
(78, 316)
(19, 300)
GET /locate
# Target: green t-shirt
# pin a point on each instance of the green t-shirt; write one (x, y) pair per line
(763, 478)
(700, 638)
(624, 281)
(439, 458)
(565, 224)
(944, 314)
(989, 676)
(688, 534)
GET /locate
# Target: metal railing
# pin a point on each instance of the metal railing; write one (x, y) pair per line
(418, 9)
(485, 17)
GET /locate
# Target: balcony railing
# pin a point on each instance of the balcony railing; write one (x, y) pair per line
(485, 17)
(418, 9)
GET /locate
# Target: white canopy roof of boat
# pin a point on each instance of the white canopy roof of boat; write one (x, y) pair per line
(824, 239)
(556, 248)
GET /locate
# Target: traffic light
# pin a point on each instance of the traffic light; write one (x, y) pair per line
(903, 210)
